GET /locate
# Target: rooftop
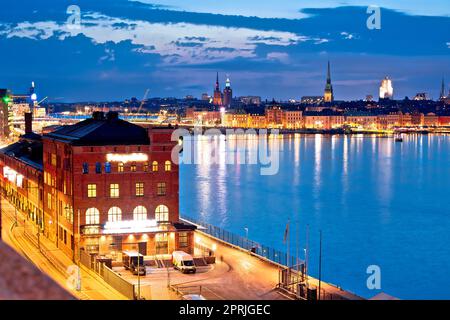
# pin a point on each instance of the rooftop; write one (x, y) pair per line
(101, 130)
(29, 150)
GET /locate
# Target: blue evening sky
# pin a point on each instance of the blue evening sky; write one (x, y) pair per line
(275, 49)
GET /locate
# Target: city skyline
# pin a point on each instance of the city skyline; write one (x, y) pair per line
(175, 50)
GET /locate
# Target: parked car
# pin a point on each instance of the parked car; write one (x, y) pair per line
(183, 262)
(134, 262)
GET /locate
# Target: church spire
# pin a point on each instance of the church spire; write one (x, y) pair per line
(328, 93)
(329, 74)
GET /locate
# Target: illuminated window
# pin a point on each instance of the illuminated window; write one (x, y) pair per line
(161, 237)
(139, 189)
(92, 216)
(49, 200)
(140, 213)
(133, 167)
(162, 213)
(114, 190)
(107, 167)
(183, 240)
(114, 214)
(154, 166)
(120, 167)
(85, 167)
(145, 166)
(167, 165)
(161, 189)
(53, 159)
(92, 190)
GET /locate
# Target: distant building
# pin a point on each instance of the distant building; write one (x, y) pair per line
(206, 97)
(386, 89)
(292, 119)
(442, 95)
(369, 98)
(274, 116)
(328, 93)
(217, 97)
(227, 94)
(421, 96)
(6, 114)
(248, 100)
(311, 99)
(324, 120)
(361, 119)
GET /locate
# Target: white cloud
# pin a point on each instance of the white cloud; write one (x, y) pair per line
(347, 35)
(278, 56)
(176, 42)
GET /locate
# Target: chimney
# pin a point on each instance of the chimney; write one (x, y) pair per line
(28, 122)
(112, 115)
(98, 115)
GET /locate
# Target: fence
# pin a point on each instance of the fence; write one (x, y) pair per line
(246, 244)
(109, 276)
(117, 282)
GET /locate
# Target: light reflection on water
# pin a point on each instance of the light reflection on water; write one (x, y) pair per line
(376, 201)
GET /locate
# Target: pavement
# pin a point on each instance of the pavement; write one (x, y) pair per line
(51, 260)
(252, 277)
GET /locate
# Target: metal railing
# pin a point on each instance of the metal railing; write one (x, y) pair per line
(256, 248)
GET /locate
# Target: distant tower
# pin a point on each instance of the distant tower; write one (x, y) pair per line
(227, 94)
(386, 89)
(442, 96)
(32, 97)
(328, 93)
(217, 100)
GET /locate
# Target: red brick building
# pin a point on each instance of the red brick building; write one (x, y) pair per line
(105, 185)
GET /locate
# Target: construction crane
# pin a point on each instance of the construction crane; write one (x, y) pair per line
(42, 101)
(143, 100)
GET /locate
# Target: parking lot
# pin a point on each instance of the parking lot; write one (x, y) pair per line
(157, 280)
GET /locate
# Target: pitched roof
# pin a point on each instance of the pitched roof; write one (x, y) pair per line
(101, 131)
(29, 151)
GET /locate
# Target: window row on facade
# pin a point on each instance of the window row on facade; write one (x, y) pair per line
(120, 167)
(115, 214)
(114, 189)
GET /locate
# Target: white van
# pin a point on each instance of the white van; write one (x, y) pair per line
(183, 262)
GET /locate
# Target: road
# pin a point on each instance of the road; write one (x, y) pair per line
(49, 259)
(253, 278)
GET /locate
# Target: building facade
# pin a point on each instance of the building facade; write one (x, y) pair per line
(105, 185)
(217, 96)
(227, 94)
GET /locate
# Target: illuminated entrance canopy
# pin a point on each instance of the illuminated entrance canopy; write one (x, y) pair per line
(130, 226)
(131, 157)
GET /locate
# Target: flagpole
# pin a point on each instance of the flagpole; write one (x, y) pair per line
(306, 255)
(296, 247)
(287, 256)
(320, 261)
